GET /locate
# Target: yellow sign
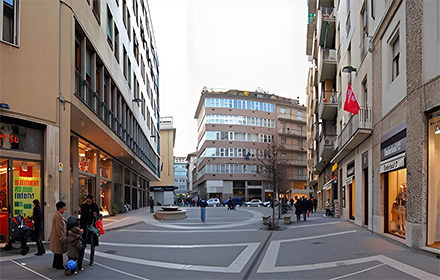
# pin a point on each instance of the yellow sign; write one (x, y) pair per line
(334, 167)
(246, 93)
(26, 189)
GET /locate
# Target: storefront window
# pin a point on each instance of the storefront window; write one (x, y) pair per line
(26, 185)
(105, 194)
(434, 182)
(397, 202)
(4, 199)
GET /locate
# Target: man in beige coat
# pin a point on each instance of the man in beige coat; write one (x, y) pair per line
(58, 236)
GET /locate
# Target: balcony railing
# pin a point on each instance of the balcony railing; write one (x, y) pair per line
(294, 147)
(328, 105)
(292, 132)
(296, 177)
(291, 117)
(92, 100)
(294, 162)
(363, 120)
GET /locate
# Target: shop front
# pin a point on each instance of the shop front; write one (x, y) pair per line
(433, 236)
(21, 165)
(351, 197)
(393, 172)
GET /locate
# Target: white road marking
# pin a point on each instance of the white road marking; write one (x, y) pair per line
(236, 265)
(119, 271)
(33, 271)
(358, 272)
(116, 221)
(269, 260)
(173, 246)
(313, 225)
(186, 231)
(415, 272)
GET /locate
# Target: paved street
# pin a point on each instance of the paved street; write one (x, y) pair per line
(233, 245)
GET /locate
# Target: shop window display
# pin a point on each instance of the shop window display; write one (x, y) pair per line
(397, 198)
(434, 181)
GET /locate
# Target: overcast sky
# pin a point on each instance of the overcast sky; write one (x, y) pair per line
(226, 44)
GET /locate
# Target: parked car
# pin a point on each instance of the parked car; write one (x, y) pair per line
(254, 202)
(236, 200)
(214, 201)
(266, 203)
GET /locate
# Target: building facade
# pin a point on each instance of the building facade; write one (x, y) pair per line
(234, 130)
(180, 175)
(78, 106)
(382, 167)
(163, 190)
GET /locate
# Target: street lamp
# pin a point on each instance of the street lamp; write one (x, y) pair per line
(348, 69)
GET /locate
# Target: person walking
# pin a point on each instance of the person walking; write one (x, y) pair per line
(151, 202)
(328, 207)
(315, 204)
(89, 214)
(298, 209)
(196, 201)
(305, 205)
(37, 217)
(203, 204)
(58, 236)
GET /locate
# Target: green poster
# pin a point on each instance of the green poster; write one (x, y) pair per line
(26, 189)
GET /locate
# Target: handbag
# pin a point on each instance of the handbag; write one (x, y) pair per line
(94, 230)
(98, 225)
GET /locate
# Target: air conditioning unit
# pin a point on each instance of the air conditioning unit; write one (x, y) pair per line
(332, 54)
(328, 141)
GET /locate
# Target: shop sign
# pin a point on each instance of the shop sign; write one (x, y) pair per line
(350, 169)
(161, 189)
(365, 160)
(26, 189)
(268, 190)
(334, 167)
(393, 164)
(393, 142)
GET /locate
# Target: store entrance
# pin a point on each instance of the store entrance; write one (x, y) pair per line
(351, 206)
(4, 203)
(396, 202)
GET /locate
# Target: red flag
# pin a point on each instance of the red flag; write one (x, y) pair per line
(351, 105)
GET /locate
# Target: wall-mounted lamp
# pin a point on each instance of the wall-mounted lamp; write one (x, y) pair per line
(348, 69)
(437, 130)
(137, 100)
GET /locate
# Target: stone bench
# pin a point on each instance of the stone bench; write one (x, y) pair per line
(287, 219)
(266, 219)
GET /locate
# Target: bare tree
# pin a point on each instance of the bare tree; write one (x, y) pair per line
(274, 171)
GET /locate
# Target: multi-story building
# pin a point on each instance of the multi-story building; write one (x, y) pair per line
(191, 164)
(163, 191)
(80, 109)
(180, 176)
(234, 130)
(384, 158)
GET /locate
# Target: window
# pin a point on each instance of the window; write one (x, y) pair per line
(125, 64)
(364, 86)
(282, 110)
(300, 157)
(116, 48)
(348, 21)
(135, 47)
(300, 115)
(109, 28)
(396, 56)
(373, 16)
(10, 21)
(143, 105)
(96, 11)
(129, 73)
(283, 156)
(124, 13)
(78, 40)
(283, 140)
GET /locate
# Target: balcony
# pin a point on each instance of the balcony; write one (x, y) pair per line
(326, 64)
(293, 147)
(328, 105)
(312, 6)
(358, 128)
(294, 162)
(295, 177)
(287, 131)
(326, 144)
(291, 118)
(326, 22)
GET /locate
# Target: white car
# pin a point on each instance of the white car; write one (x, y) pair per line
(254, 202)
(214, 201)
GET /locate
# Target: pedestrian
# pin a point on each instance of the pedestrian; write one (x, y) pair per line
(151, 202)
(58, 236)
(196, 201)
(305, 205)
(37, 217)
(315, 204)
(89, 214)
(75, 248)
(298, 209)
(203, 204)
(328, 207)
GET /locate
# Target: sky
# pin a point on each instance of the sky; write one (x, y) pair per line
(226, 44)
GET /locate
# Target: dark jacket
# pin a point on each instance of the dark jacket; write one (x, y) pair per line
(298, 207)
(87, 218)
(74, 243)
(203, 203)
(37, 216)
